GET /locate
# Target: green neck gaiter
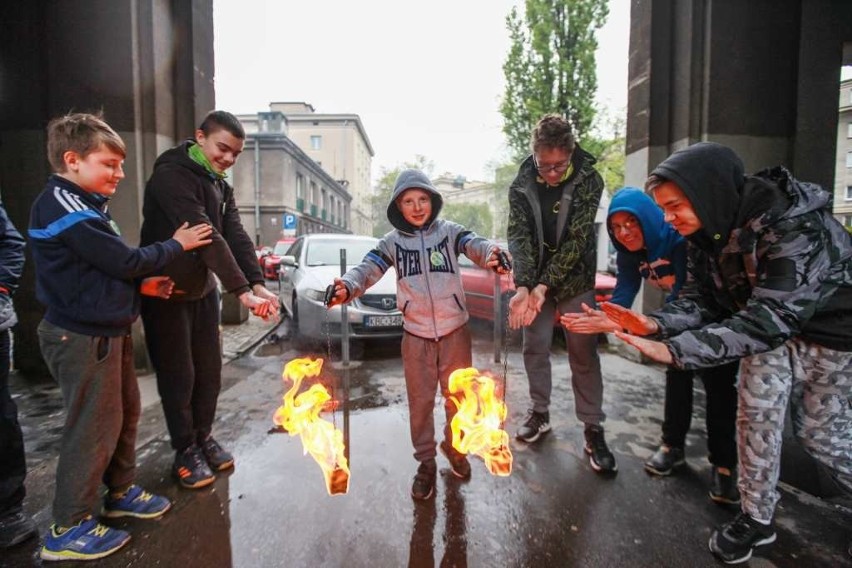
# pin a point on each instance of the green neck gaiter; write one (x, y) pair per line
(197, 156)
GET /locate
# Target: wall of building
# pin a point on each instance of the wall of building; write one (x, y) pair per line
(843, 162)
(146, 64)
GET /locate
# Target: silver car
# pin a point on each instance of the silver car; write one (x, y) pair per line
(310, 265)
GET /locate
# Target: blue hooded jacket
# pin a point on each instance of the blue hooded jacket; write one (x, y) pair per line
(663, 259)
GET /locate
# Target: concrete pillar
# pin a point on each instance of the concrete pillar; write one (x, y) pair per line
(147, 65)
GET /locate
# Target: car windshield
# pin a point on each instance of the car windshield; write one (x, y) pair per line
(327, 251)
(281, 248)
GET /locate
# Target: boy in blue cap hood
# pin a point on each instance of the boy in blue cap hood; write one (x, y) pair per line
(649, 248)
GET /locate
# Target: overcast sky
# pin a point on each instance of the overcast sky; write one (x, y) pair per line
(425, 77)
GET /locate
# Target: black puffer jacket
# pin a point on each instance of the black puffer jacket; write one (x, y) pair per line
(181, 190)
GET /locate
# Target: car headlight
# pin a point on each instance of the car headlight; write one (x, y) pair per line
(315, 295)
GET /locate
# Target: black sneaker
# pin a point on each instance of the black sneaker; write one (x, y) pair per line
(723, 486)
(536, 424)
(424, 482)
(191, 469)
(734, 541)
(600, 457)
(664, 460)
(458, 461)
(217, 457)
(15, 528)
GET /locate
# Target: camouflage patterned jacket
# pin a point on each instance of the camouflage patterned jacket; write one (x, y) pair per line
(770, 263)
(571, 269)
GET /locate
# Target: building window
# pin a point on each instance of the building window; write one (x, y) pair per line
(849, 193)
(849, 159)
(849, 130)
(300, 192)
(316, 142)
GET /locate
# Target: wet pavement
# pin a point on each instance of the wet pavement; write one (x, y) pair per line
(273, 509)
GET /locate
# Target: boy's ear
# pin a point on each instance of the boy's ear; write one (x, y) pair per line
(199, 135)
(71, 160)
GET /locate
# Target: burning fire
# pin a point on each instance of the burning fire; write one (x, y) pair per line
(476, 426)
(300, 414)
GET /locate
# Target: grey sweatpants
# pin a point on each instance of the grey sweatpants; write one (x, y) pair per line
(817, 382)
(583, 359)
(427, 364)
(102, 406)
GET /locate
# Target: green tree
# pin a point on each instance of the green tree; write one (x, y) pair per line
(476, 218)
(550, 66)
(607, 145)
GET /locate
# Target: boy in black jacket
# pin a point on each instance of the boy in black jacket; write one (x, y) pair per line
(86, 278)
(182, 332)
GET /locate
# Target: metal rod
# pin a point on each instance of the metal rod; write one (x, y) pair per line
(499, 336)
(344, 348)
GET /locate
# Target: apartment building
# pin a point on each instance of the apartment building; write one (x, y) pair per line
(843, 172)
(339, 143)
(281, 191)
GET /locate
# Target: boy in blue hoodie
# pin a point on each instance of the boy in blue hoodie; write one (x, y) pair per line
(649, 248)
(424, 251)
(87, 278)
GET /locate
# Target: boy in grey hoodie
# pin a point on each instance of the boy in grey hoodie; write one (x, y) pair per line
(424, 251)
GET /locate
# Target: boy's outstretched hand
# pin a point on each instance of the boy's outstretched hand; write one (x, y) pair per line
(629, 320)
(193, 237)
(339, 293)
(590, 321)
(656, 350)
(261, 302)
(157, 287)
(500, 261)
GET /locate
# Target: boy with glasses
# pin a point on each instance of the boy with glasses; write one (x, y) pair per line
(552, 206)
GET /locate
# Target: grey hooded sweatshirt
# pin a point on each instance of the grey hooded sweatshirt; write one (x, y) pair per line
(429, 292)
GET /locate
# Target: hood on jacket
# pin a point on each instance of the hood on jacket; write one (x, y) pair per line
(712, 176)
(412, 179)
(659, 236)
(773, 194)
(179, 155)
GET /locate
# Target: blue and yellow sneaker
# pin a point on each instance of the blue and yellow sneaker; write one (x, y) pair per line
(87, 540)
(136, 503)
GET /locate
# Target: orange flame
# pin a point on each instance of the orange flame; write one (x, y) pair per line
(476, 425)
(300, 414)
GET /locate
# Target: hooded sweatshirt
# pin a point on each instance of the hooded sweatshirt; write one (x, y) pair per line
(770, 262)
(662, 261)
(429, 291)
(85, 273)
(179, 190)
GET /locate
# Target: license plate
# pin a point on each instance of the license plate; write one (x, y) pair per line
(383, 321)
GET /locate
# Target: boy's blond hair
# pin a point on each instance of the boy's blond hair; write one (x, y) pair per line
(81, 133)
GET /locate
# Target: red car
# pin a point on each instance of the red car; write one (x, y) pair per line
(270, 259)
(478, 284)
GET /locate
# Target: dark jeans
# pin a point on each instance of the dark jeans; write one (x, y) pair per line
(13, 465)
(183, 342)
(721, 390)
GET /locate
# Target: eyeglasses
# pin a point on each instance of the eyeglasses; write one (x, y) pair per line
(628, 225)
(559, 168)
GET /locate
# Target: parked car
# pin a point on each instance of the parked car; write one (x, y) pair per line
(310, 265)
(270, 258)
(478, 284)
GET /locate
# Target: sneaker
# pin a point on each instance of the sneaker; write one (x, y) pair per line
(734, 541)
(424, 482)
(87, 540)
(458, 461)
(217, 457)
(600, 457)
(136, 503)
(191, 469)
(664, 460)
(15, 528)
(536, 424)
(723, 486)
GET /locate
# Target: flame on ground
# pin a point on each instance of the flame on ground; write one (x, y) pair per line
(476, 426)
(300, 414)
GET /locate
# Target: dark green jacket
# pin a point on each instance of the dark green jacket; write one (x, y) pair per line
(571, 269)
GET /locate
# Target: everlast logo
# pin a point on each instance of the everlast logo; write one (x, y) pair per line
(408, 262)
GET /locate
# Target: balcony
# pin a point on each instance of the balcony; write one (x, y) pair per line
(313, 210)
